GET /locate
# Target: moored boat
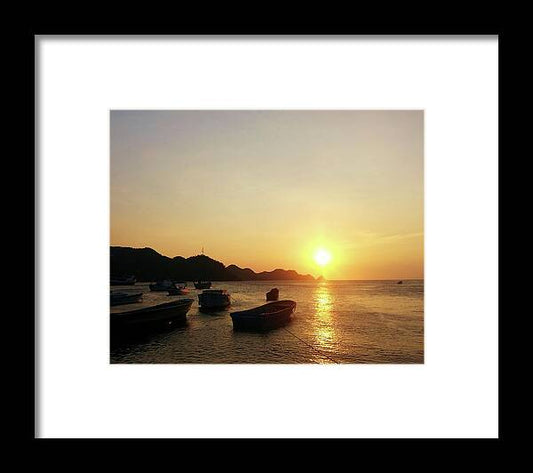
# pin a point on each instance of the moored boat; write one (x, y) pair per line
(273, 294)
(123, 280)
(165, 285)
(202, 284)
(120, 298)
(266, 317)
(214, 299)
(161, 314)
(179, 290)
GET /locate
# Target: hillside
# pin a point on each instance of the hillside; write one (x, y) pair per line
(149, 265)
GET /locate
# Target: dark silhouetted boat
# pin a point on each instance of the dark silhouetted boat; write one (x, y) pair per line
(123, 280)
(121, 298)
(273, 294)
(214, 299)
(202, 284)
(161, 286)
(263, 318)
(179, 290)
(399, 282)
(152, 316)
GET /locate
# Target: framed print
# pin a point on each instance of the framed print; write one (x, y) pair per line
(267, 237)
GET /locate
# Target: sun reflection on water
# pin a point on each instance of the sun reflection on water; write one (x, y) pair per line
(324, 331)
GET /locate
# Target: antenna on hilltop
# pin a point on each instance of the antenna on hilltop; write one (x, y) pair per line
(202, 250)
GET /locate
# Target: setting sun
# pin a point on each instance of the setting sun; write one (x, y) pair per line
(322, 257)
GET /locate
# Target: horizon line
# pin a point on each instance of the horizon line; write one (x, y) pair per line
(265, 271)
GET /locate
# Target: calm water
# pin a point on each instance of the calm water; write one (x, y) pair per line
(334, 322)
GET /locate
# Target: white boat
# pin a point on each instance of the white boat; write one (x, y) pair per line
(214, 299)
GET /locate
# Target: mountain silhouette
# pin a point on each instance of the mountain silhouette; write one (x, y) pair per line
(149, 265)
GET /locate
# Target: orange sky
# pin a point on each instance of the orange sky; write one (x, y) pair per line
(266, 189)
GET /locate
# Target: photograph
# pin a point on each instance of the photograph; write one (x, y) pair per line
(267, 236)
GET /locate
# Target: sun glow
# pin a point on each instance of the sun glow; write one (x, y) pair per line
(322, 257)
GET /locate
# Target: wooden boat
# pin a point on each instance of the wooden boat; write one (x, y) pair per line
(120, 298)
(214, 299)
(202, 284)
(399, 282)
(263, 318)
(161, 314)
(123, 280)
(273, 294)
(161, 286)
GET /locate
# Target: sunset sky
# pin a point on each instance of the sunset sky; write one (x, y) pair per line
(269, 189)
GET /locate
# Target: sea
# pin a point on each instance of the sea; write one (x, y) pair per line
(334, 322)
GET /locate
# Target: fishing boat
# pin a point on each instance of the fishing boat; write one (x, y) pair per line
(263, 318)
(273, 294)
(121, 298)
(179, 290)
(165, 285)
(399, 282)
(202, 284)
(123, 280)
(214, 299)
(174, 312)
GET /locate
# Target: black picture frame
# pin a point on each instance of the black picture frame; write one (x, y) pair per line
(28, 59)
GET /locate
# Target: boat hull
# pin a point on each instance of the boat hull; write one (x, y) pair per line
(122, 299)
(213, 308)
(212, 301)
(160, 315)
(267, 317)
